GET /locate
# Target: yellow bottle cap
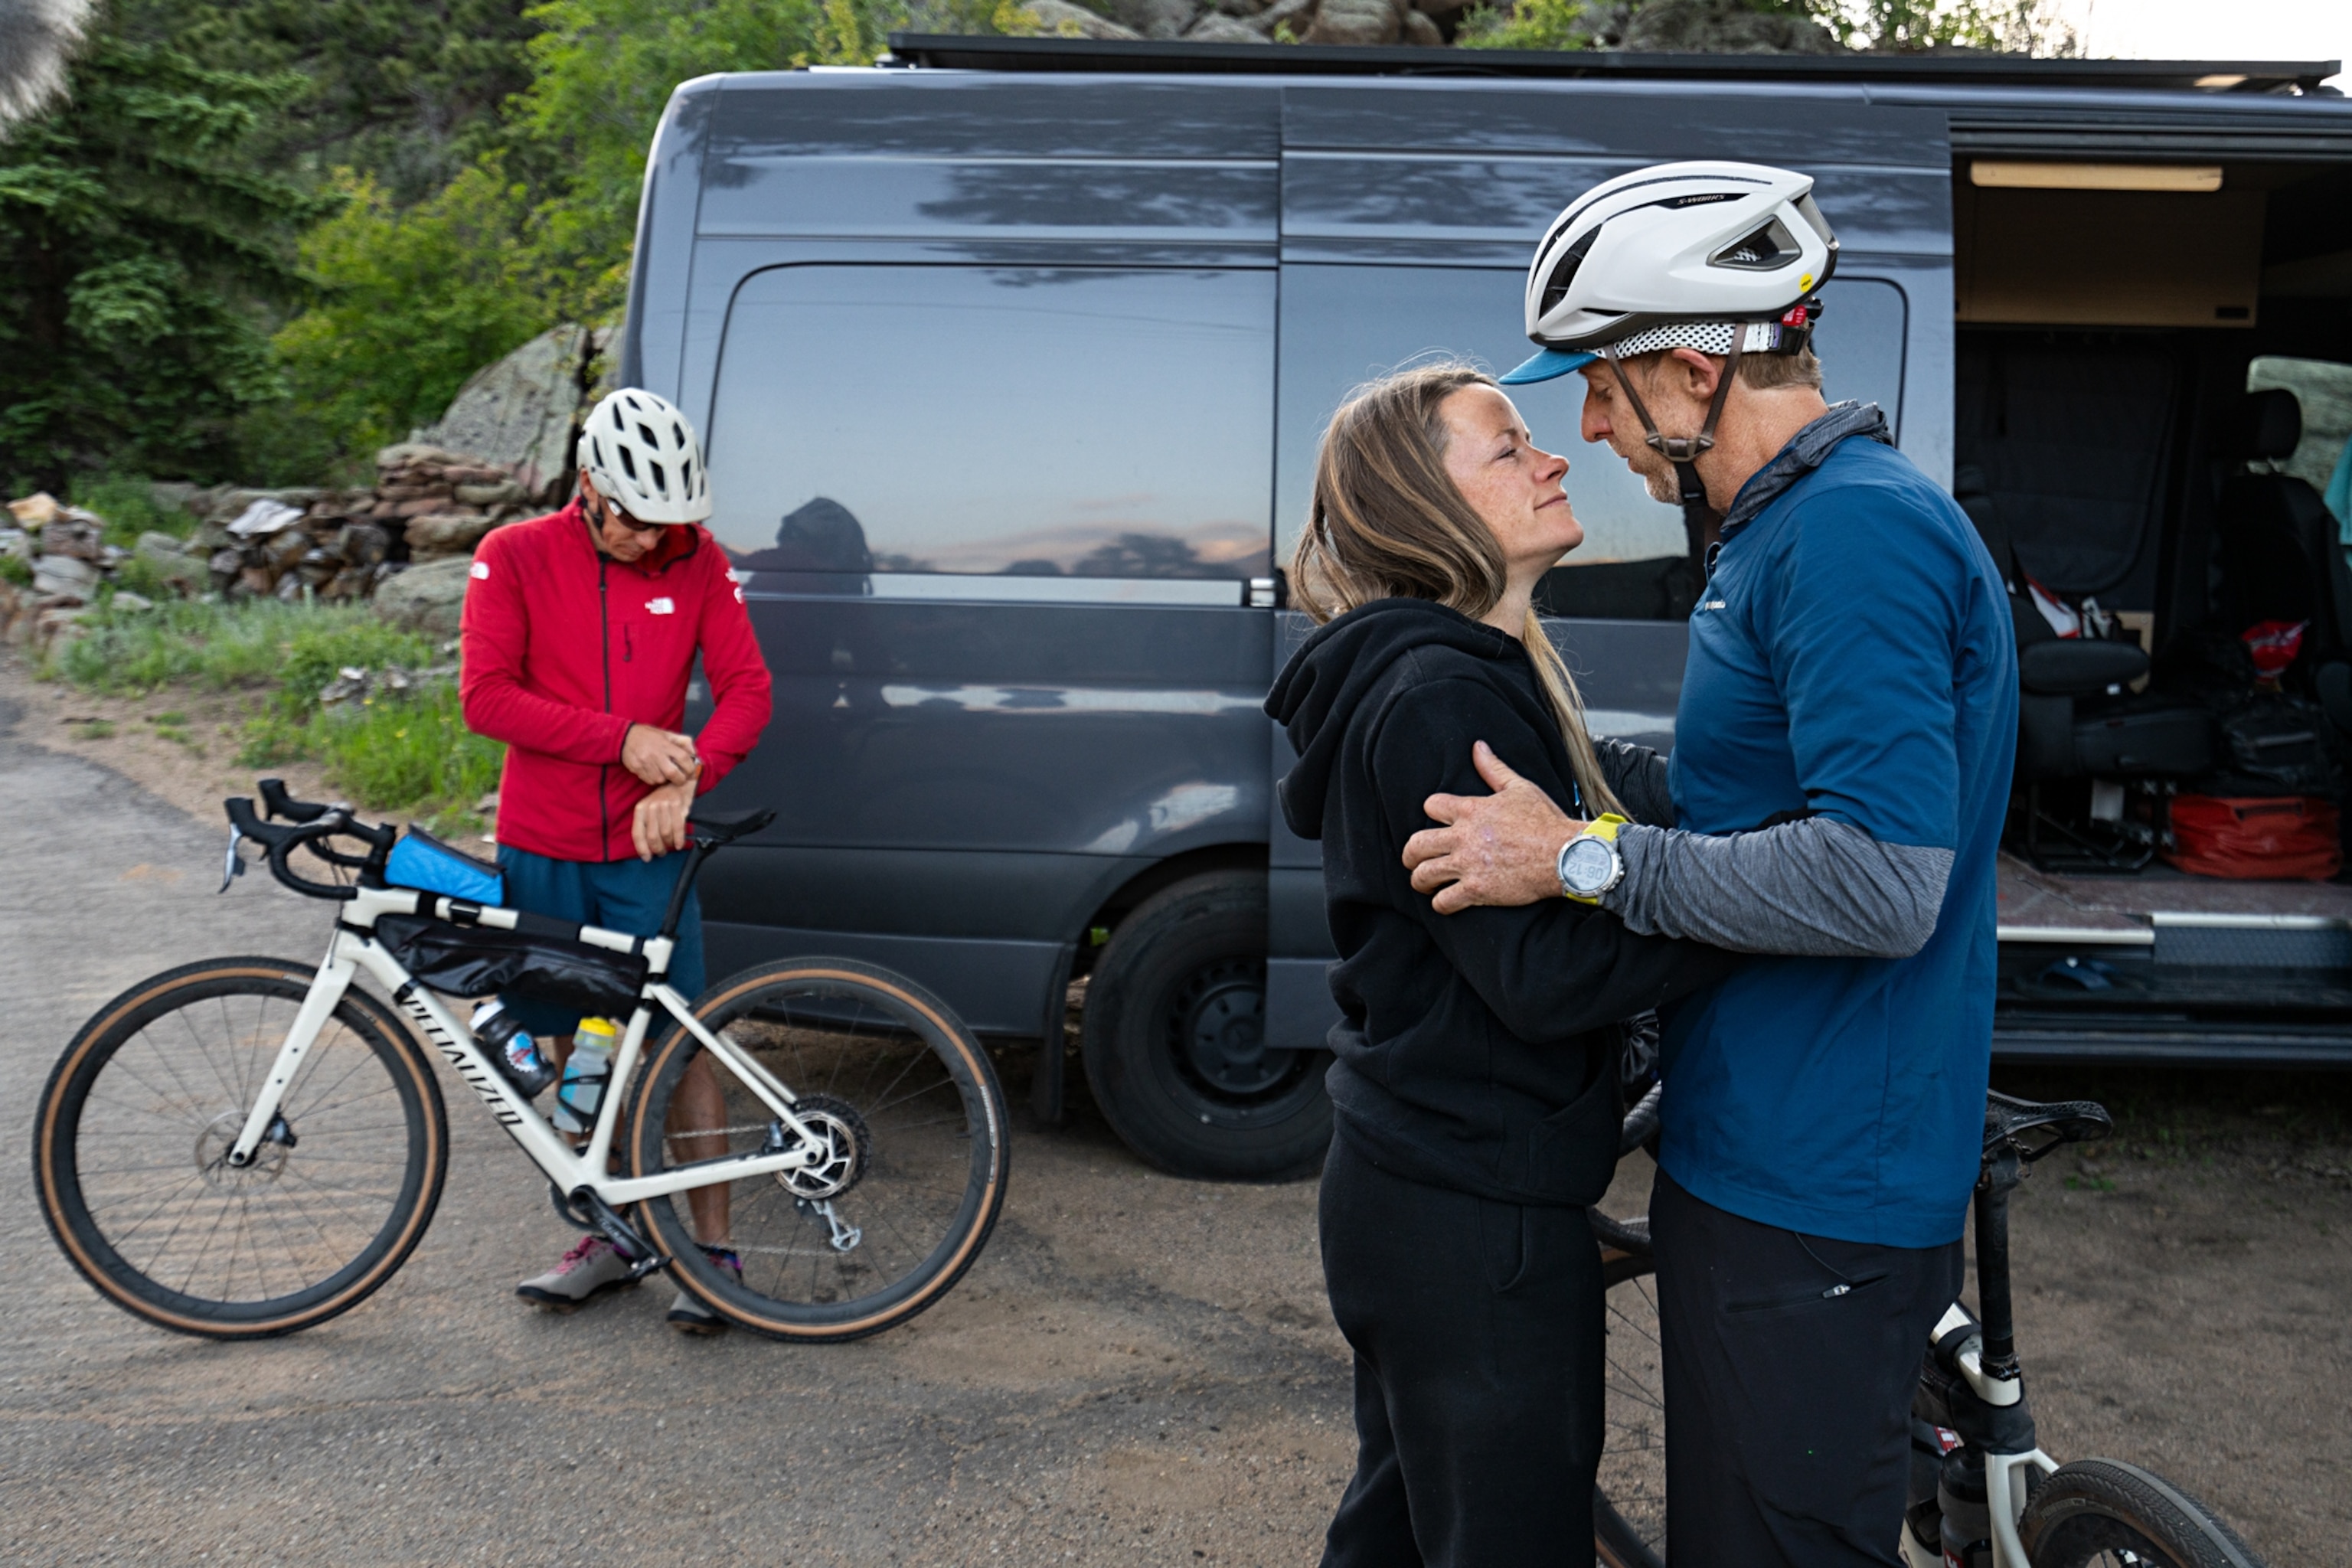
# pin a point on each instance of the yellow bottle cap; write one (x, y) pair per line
(603, 1026)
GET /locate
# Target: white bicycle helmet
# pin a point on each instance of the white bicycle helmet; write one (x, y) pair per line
(1678, 255)
(641, 453)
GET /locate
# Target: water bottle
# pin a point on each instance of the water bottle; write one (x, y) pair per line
(1967, 1518)
(515, 1052)
(585, 1073)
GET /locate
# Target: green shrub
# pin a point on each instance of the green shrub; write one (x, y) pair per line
(1530, 25)
(412, 302)
(13, 570)
(323, 646)
(129, 509)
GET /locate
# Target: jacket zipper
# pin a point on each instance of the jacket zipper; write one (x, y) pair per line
(604, 773)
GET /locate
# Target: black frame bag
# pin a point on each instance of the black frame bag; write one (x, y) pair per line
(475, 961)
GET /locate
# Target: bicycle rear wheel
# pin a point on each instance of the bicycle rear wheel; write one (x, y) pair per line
(917, 1171)
(1629, 1507)
(2104, 1513)
(131, 1143)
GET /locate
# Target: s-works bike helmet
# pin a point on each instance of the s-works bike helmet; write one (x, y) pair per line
(641, 453)
(1722, 258)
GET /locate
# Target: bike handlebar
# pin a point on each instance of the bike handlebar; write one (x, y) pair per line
(313, 825)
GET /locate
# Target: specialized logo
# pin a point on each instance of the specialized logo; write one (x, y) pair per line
(469, 1067)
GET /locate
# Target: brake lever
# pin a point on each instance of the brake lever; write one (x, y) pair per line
(235, 866)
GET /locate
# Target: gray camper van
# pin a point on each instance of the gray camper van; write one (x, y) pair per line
(1011, 355)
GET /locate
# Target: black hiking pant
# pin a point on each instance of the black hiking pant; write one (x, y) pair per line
(1476, 1328)
(1790, 1362)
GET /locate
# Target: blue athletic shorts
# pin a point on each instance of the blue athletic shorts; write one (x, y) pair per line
(629, 896)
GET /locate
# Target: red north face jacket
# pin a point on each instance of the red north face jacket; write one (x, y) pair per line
(565, 648)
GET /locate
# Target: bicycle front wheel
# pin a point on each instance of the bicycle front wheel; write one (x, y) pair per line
(917, 1159)
(1629, 1511)
(130, 1145)
(2104, 1513)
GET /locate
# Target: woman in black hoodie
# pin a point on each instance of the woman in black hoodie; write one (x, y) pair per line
(1476, 1089)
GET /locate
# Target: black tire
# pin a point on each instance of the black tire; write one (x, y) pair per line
(2105, 1512)
(922, 1157)
(1629, 1505)
(343, 1199)
(1174, 1035)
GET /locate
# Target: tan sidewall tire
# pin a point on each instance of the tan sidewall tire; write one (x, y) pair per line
(358, 1011)
(644, 1125)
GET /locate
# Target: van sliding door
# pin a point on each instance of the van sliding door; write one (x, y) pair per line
(1409, 213)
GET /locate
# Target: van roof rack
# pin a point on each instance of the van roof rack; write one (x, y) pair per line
(943, 51)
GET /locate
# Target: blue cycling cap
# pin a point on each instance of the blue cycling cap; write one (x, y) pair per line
(1548, 364)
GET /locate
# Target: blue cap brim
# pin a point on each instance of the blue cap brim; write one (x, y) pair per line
(1547, 365)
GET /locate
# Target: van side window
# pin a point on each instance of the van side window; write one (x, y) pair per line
(1047, 422)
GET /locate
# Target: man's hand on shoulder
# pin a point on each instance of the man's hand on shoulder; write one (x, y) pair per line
(1502, 848)
(660, 825)
(659, 756)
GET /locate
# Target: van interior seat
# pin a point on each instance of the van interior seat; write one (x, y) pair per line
(2074, 718)
(2277, 550)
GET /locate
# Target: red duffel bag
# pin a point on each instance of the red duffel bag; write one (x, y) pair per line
(2292, 838)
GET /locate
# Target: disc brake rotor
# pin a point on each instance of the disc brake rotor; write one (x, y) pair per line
(847, 1145)
(216, 1140)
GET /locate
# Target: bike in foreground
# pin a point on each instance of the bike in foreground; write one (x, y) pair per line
(244, 1147)
(1982, 1493)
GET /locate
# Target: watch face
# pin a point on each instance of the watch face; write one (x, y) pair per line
(1587, 865)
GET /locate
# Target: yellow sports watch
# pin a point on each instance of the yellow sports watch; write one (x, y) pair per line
(1589, 863)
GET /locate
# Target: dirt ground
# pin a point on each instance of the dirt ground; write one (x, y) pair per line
(1138, 1369)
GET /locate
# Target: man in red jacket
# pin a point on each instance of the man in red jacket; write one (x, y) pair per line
(580, 630)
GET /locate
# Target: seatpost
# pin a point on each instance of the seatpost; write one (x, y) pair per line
(696, 854)
(2001, 1174)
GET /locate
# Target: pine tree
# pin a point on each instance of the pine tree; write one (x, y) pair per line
(139, 251)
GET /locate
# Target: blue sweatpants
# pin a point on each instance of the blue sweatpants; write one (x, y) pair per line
(629, 896)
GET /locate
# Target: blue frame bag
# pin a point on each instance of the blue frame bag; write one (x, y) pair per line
(422, 861)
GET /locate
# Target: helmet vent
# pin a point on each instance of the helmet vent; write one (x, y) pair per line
(1555, 286)
(661, 483)
(628, 462)
(1767, 249)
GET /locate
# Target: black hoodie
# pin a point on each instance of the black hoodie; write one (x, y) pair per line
(1475, 1050)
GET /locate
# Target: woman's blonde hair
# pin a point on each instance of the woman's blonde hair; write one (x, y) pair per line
(1388, 521)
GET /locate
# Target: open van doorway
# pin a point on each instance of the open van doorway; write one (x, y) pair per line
(2153, 402)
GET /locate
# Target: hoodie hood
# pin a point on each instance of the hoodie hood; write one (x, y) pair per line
(1342, 666)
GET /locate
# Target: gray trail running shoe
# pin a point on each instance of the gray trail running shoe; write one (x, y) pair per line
(586, 1272)
(689, 1316)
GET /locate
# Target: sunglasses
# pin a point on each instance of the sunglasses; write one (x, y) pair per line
(607, 513)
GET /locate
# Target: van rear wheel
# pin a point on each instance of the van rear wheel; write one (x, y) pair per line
(1174, 1039)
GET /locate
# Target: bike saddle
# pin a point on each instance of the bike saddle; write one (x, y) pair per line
(718, 827)
(2034, 1130)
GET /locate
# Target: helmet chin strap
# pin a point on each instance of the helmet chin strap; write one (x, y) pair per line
(1684, 451)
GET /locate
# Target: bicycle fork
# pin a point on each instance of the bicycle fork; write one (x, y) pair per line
(1971, 1397)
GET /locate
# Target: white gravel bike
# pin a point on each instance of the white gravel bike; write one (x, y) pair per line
(1982, 1493)
(244, 1147)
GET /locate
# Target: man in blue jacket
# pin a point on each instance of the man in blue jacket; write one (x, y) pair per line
(1837, 788)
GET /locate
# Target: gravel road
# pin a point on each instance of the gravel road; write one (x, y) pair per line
(1139, 1369)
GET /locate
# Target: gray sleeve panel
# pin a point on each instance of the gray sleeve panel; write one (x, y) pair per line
(1638, 775)
(1816, 887)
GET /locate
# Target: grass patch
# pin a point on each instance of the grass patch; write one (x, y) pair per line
(407, 755)
(399, 755)
(93, 730)
(215, 646)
